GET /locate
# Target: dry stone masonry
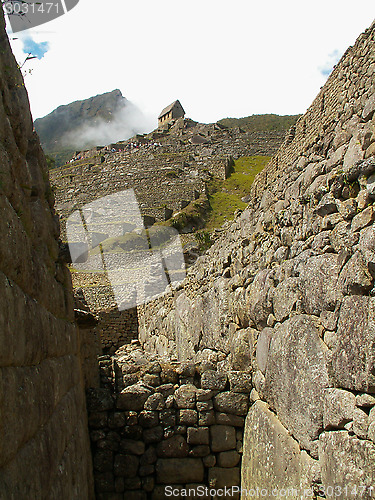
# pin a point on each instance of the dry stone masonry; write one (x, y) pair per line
(44, 442)
(156, 423)
(167, 169)
(287, 293)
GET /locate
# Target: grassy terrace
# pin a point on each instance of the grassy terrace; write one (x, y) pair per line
(225, 195)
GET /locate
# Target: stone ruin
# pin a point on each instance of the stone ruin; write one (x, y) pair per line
(273, 328)
(156, 423)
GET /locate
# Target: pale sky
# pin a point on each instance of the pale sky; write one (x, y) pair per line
(219, 58)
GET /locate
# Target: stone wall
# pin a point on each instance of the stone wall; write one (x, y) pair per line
(162, 174)
(44, 447)
(157, 424)
(287, 293)
(116, 328)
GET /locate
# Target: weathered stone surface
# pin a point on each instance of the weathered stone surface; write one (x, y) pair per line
(318, 283)
(185, 396)
(338, 408)
(346, 462)
(153, 435)
(204, 405)
(223, 437)
(133, 397)
(209, 461)
(231, 402)
(228, 458)
(175, 446)
(363, 198)
(327, 205)
(187, 417)
(126, 465)
(179, 470)
(353, 154)
(257, 298)
(285, 296)
(363, 219)
(203, 395)
(355, 279)
(369, 108)
(365, 400)
(242, 345)
(132, 446)
(228, 419)
(342, 237)
(278, 464)
(148, 418)
(200, 435)
(149, 456)
(240, 382)
(206, 418)
(213, 380)
(296, 377)
(155, 402)
(353, 356)
(263, 345)
(165, 389)
(99, 399)
(347, 208)
(219, 477)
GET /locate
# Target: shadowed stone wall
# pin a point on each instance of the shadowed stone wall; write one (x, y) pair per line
(156, 423)
(44, 445)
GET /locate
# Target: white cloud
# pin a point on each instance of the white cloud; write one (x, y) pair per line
(218, 58)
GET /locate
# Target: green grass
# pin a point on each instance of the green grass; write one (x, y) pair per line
(225, 195)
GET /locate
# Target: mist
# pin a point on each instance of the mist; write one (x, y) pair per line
(125, 123)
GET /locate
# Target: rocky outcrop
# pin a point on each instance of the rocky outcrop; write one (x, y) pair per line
(44, 444)
(287, 295)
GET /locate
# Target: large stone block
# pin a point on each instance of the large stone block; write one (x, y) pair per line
(231, 402)
(263, 345)
(296, 377)
(184, 396)
(213, 380)
(198, 435)
(272, 459)
(339, 407)
(347, 465)
(240, 382)
(179, 470)
(174, 447)
(258, 298)
(285, 296)
(223, 438)
(133, 397)
(242, 348)
(353, 357)
(220, 477)
(318, 283)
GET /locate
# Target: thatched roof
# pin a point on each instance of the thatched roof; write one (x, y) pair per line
(169, 108)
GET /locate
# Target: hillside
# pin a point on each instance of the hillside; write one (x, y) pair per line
(256, 123)
(100, 119)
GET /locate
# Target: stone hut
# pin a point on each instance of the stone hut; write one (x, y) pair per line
(173, 111)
